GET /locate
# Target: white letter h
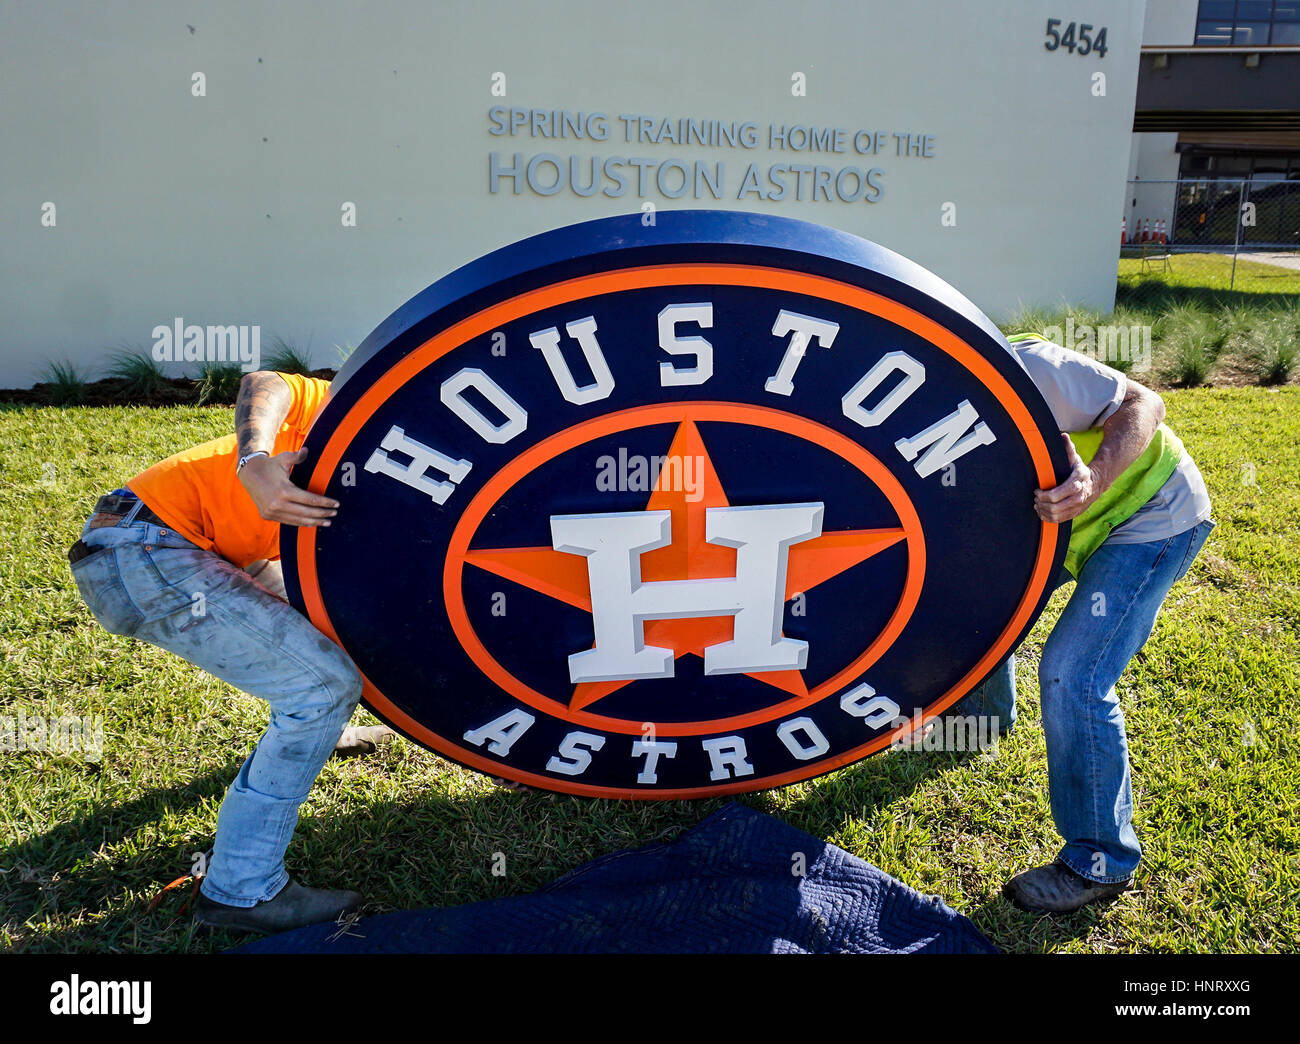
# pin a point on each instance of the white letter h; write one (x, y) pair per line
(620, 602)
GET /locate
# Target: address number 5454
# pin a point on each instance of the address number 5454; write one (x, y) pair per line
(1075, 39)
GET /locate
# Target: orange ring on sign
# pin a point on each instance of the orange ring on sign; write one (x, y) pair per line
(640, 416)
(683, 274)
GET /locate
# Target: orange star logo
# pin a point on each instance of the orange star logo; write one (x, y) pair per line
(564, 576)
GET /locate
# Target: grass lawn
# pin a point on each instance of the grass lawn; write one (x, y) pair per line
(1209, 273)
(1198, 330)
(1211, 706)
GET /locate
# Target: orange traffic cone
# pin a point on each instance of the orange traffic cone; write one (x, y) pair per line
(1123, 231)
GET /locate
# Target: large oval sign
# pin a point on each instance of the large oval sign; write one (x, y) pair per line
(667, 511)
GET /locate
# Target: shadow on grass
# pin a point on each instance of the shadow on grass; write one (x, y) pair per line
(1157, 295)
(1017, 931)
(425, 849)
(62, 874)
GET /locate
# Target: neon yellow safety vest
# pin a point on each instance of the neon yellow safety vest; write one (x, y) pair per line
(1137, 484)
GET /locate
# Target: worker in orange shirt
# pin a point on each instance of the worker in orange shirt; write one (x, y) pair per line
(168, 559)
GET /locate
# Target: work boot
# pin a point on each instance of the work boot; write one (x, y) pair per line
(363, 739)
(294, 906)
(1056, 888)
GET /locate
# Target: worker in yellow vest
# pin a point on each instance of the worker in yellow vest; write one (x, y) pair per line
(1141, 513)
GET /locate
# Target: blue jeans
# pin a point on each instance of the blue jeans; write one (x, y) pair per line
(152, 584)
(1107, 620)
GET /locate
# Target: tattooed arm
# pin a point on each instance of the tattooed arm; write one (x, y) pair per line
(262, 407)
(1126, 434)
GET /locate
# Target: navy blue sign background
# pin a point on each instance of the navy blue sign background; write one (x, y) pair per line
(379, 570)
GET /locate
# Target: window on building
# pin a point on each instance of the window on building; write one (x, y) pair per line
(1199, 163)
(1248, 23)
(1269, 168)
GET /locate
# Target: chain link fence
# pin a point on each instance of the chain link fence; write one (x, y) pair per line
(1208, 288)
(1224, 235)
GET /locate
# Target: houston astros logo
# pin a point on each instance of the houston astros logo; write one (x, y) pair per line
(713, 505)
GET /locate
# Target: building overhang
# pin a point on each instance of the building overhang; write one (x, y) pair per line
(1218, 89)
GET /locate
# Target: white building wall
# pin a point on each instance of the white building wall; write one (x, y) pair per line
(1152, 157)
(226, 208)
(1153, 176)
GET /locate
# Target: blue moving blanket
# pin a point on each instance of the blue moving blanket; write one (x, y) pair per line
(725, 886)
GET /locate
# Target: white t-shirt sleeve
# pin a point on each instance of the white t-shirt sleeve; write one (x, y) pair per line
(1081, 392)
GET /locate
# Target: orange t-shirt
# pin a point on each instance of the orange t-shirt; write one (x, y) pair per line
(198, 494)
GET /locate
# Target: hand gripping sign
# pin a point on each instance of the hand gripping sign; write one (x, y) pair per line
(703, 507)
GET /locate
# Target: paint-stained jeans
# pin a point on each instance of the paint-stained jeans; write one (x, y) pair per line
(151, 584)
(1107, 620)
